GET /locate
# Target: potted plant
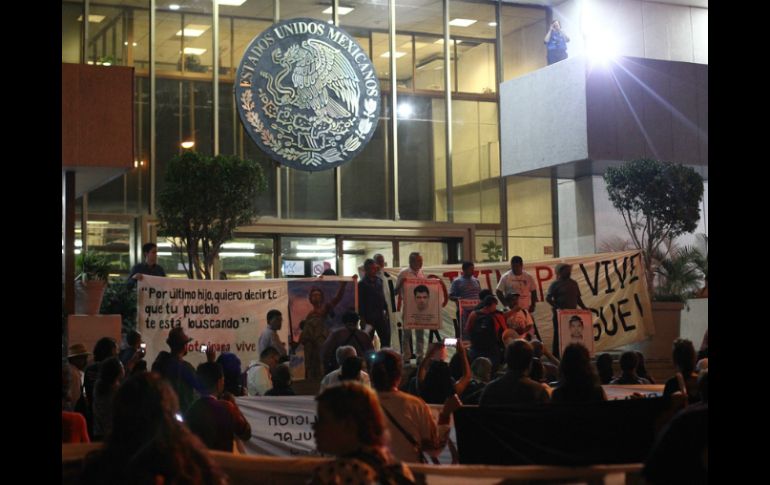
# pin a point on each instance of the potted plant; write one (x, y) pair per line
(93, 270)
(659, 201)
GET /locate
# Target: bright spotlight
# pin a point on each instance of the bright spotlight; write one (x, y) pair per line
(600, 49)
(404, 110)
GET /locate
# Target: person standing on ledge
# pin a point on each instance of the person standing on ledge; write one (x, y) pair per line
(556, 43)
(150, 265)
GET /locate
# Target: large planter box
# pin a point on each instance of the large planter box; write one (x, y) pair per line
(666, 318)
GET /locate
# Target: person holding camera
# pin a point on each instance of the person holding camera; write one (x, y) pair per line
(556, 43)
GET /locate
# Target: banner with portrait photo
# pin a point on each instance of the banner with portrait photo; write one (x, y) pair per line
(422, 304)
(466, 307)
(317, 304)
(612, 286)
(575, 326)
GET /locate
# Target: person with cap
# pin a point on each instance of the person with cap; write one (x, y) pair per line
(177, 371)
(563, 294)
(518, 318)
(149, 266)
(77, 356)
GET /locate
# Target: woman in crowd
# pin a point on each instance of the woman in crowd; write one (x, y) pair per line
(148, 444)
(641, 370)
(110, 374)
(604, 368)
(578, 382)
(73, 425)
(434, 379)
(351, 426)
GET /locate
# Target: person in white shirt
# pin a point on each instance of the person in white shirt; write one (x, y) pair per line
(333, 377)
(258, 377)
(519, 281)
(270, 338)
(409, 420)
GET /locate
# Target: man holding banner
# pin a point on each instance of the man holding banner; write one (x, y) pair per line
(563, 294)
(414, 271)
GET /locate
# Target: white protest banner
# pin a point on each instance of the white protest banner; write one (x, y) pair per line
(422, 308)
(283, 426)
(612, 285)
(615, 392)
(280, 425)
(226, 315)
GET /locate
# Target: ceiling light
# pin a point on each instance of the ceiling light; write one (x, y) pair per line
(188, 144)
(237, 245)
(174, 6)
(193, 30)
(405, 110)
(231, 3)
(396, 54)
(441, 41)
(237, 255)
(315, 247)
(340, 10)
(194, 51)
(93, 18)
(462, 22)
(492, 24)
(316, 255)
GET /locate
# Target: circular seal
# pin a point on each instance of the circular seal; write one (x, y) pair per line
(308, 94)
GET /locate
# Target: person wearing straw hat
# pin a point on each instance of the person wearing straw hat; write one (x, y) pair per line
(77, 356)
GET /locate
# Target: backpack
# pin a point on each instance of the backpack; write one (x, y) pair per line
(483, 335)
(386, 474)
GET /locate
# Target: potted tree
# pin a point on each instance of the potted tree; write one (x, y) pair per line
(91, 281)
(204, 199)
(659, 201)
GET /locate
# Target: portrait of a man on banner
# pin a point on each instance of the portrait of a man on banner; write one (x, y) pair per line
(466, 307)
(422, 304)
(576, 326)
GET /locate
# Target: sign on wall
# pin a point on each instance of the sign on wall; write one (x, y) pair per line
(308, 94)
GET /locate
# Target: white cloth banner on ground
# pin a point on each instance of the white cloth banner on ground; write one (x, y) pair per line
(283, 426)
(612, 286)
(615, 392)
(226, 315)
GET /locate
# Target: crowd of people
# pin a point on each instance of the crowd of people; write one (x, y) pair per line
(373, 406)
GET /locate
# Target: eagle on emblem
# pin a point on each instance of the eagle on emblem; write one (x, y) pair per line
(322, 80)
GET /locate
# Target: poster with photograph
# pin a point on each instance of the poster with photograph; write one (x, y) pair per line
(316, 307)
(466, 307)
(422, 304)
(576, 326)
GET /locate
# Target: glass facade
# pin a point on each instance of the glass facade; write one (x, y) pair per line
(420, 174)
